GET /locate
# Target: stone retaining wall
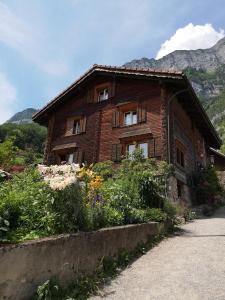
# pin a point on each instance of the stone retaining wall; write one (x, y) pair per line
(25, 266)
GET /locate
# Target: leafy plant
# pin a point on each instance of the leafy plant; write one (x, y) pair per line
(206, 185)
(104, 169)
(7, 153)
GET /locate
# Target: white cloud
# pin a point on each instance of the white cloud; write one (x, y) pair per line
(18, 34)
(7, 98)
(191, 37)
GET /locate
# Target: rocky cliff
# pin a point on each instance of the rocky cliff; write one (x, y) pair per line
(205, 59)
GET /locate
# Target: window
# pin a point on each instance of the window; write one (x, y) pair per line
(76, 127)
(144, 147)
(130, 118)
(180, 157)
(132, 147)
(103, 95)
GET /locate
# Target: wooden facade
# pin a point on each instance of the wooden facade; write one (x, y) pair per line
(109, 109)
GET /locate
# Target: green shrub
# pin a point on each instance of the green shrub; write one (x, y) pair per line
(8, 153)
(104, 169)
(189, 215)
(206, 185)
(24, 203)
(34, 210)
(69, 209)
(169, 209)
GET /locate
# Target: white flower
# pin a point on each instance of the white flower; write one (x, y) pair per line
(59, 176)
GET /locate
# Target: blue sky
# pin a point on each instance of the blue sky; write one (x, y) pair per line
(46, 44)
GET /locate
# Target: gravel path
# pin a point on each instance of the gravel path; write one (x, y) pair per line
(187, 266)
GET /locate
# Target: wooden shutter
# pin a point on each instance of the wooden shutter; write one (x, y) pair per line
(90, 96)
(141, 115)
(69, 126)
(83, 122)
(151, 148)
(154, 147)
(116, 152)
(157, 147)
(112, 89)
(116, 119)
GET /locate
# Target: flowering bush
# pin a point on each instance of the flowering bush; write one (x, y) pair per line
(59, 176)
(66, 198)
(92, 184)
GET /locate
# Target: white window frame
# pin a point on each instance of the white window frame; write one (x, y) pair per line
(103, 95)
(133, 120)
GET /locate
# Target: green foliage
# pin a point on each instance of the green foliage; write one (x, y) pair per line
(21, 144)
(104, 169)
(132, 193)
(69, 209)
(8, 153)
(47, 291)
(24, 203)
(136, 186)
(32, 210)
(206, 185)
(27, 136)
(189, 215)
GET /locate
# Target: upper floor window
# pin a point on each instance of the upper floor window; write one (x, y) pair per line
(75, 125)
(103, 95)
(130, 118)
(128, 114)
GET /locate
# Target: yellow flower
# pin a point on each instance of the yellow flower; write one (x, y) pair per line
(95, 183)
(84, 171)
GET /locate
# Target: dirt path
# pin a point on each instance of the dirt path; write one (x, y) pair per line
(190, 266)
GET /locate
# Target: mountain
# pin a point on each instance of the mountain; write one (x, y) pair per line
(206, 59)
(205, 69)
(23, 117)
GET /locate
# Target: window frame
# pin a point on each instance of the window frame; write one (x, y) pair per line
(71, 129)
(104, 94)
(136, 145)
(131, 112)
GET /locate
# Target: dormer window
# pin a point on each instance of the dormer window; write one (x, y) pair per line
(130, 118)
(103, 95)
